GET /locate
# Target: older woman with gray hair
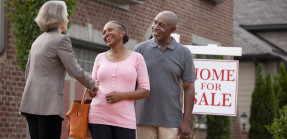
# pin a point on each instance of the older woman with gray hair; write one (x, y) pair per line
(51, 57)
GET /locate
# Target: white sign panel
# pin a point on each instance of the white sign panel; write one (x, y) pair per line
(213, 49)
(216, 87)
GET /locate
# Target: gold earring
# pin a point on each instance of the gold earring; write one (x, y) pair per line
(121, 36)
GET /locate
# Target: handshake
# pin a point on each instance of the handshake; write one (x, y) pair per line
(93, 93)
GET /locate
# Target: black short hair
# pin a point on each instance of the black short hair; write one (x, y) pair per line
(122, 27)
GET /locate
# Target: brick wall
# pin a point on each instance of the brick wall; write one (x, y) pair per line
(200, 17)
(236, 127)
(12, 125)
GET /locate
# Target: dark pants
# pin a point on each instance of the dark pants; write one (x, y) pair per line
(44, 127)
(100, 131)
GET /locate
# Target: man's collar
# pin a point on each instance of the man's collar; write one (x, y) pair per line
(153, 43)
(171, 46)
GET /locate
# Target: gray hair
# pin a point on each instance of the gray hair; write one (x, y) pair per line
(51, 15)
(172, 17)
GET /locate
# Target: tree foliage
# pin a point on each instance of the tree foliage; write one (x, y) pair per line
(279, 127)
(22, 14)
(280, 86)
(262, 106)
(218, 127)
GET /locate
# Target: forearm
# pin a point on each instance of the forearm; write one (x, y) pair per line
(114, 97)
(135, 95)
(87, 81)
(189, 92)
(188, 107)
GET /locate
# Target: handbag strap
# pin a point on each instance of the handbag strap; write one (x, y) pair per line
(84, 96)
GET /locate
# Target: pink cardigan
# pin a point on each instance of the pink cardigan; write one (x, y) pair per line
(117, 76)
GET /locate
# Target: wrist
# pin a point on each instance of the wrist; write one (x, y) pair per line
(94, 90)
(186, 119)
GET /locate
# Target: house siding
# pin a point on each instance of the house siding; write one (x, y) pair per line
(270, 67)
(246, 84)
(277, 38)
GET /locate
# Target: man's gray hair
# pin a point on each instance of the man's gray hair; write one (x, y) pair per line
(51, 15)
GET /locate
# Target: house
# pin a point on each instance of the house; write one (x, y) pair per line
(200, 22)
(260, 28)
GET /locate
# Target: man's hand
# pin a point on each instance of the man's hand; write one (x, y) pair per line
(183, 130)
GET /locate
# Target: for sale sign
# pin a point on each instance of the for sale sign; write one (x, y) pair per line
(216, 87)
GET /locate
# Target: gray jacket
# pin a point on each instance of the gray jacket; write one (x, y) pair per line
(51, 57)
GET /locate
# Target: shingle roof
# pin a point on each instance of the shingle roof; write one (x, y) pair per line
(252, 45)
(260, 12)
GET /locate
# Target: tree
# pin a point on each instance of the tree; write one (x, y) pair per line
(278, 128)
(262, 106)
(218, 127)
(280, 86)
(22, 14)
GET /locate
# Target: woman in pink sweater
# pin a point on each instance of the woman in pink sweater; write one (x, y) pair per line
(112, 111)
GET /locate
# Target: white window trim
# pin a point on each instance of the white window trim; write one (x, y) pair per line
(125, 4)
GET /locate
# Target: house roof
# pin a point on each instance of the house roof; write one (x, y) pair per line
(253, 46)
(260, 12)
(257, 15)
(250, 44)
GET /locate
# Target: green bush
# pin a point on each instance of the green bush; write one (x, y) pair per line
(218, 127)
(22, 14)
(279, 127)
(262, 106)
(280, 86)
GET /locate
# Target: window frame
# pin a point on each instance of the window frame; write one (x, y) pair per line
(79, 45)
(3, 28)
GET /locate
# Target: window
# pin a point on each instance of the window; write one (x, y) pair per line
(200, 121)
(86, 52)
(2, 27)
(85, 58)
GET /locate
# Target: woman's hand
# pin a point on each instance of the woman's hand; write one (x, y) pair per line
(94, 92)
(114, 97)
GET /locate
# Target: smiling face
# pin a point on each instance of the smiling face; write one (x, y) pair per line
(162, 28)
(112, 34)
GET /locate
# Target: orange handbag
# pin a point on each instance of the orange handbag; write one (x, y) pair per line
(78, 118)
